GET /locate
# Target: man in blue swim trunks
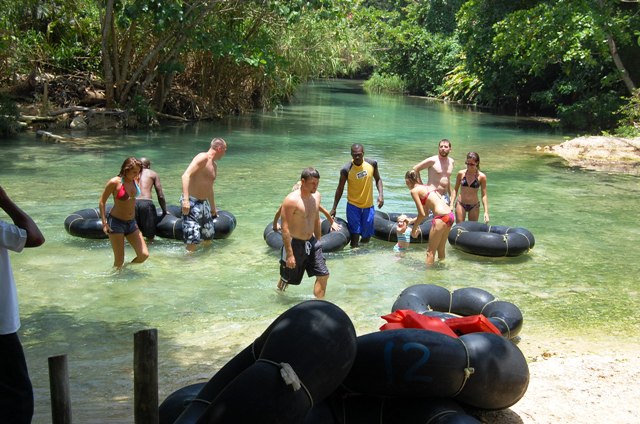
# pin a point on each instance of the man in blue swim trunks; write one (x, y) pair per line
(359, 174)
(300, 215)
(198, 203)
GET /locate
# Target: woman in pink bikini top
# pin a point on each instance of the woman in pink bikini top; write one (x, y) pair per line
(428, 198)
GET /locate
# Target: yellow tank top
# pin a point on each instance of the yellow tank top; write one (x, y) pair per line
(360, 183)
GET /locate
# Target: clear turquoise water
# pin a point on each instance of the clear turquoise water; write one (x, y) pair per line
(579, 281)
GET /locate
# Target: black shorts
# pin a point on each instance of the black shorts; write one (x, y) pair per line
(146, 217)
(309, 257)
(16, 393)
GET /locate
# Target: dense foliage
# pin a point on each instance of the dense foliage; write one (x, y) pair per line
(578, 60)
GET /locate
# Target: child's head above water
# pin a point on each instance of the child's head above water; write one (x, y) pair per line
(402, 220)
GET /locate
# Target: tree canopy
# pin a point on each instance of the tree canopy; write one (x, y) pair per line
(578, 60)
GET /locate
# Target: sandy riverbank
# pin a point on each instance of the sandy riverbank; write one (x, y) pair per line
(572, 382)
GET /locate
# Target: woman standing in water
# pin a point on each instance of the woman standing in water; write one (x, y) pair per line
(468, 181)
(427, 198)
(121, 221)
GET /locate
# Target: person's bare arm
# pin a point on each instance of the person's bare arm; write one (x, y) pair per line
(22, 220)
(456, 189)
(485, 199)
(421, 213)
(212, 202)
(160, 194)
(338, 195)
(427, 163)
(317, 231)
(334, 225)
(318, 228)
(102, 204)
(276, 217)
(378, 179)
(287, 210)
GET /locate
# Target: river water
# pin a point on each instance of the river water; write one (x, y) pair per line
(579, 283)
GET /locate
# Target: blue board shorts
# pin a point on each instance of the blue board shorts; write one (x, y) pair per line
(198, 225)
(360, 220)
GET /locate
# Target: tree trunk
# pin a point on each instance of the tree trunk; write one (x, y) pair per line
(106, 56)
(623, 71)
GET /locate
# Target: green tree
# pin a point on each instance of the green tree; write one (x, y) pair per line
(415, 41)
(557, 56)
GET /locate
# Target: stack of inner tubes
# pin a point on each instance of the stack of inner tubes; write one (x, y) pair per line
(299, 360)
(388, 377)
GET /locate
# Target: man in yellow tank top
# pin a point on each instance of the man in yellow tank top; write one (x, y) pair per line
(359, 174)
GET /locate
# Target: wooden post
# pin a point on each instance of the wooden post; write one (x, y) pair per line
(59, 387)
(145, 376)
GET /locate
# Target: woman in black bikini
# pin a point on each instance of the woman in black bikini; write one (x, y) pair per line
(468, 181)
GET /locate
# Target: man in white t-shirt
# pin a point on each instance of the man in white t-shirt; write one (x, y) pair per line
(16, 393)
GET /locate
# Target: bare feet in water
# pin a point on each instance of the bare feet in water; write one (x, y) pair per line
(282, 286)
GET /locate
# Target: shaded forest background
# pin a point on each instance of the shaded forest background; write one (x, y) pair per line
(575, 60)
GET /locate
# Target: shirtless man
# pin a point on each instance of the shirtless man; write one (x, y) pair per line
(440, 167)
(198, 204)
(300, 234)
(146, 215)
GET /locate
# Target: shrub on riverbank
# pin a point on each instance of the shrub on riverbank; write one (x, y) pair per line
(384, 83)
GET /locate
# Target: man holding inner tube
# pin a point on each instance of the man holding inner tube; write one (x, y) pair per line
(197, 201)
(359, 174)
(146, 215)
(300, 215)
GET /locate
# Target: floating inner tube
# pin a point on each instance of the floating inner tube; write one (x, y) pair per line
(491, 240)
(432, 300)
(171, 225)
(331, 241)
(278, 378)
(384, 227)
(86, 223)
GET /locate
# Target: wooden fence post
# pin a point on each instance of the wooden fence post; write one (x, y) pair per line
(145, 376)
(59, 387)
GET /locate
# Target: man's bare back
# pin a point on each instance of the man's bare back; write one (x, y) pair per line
(203, 175)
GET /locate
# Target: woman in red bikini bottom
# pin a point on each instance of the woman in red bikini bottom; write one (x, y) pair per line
(428, 198)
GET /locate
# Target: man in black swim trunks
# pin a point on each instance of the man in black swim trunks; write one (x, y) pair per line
(146, 215)
(300, 235)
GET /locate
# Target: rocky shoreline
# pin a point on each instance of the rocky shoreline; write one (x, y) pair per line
(600, 153)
